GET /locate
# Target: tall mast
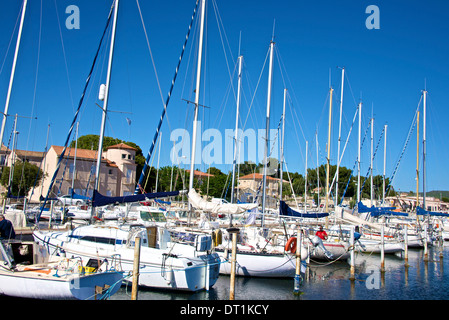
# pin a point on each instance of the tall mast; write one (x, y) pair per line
(197, 95)
(105, 101)
(328, 150)
(371, 162)
(339, 133)
(282, 144)
(236, 128)
(385, 165)
(305, 179)
(317, 171)
(417, 162)
(74, 159)
(13, 70)
(358, 153)
(424, 152)
(267, 127)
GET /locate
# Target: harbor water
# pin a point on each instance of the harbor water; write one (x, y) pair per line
(421, 280)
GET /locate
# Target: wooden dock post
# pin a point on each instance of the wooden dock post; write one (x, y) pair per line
(352, 246)
(234, 232)
(406, 245)
(382, 250)
(298, 262)
(136, 269)
(426, 253)
(440, 240)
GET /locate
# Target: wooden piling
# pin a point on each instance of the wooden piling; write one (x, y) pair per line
(406, 245)
(426, 253)
(440, 240)
(136, 269)
(298, 262)
(382, 250)
(352, 245)
(234, 232)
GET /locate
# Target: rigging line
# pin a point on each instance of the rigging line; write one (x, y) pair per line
(374, 155)
(11, 38)
(150, 152)
(220, 28)
(412, 126)
(65, 58)
(151, 53)
(58, 165)
(35, 79)
(258, 82)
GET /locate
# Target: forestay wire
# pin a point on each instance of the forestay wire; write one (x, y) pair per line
(61, 157)
(150, 152)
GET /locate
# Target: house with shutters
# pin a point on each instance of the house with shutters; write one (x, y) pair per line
(78, 168)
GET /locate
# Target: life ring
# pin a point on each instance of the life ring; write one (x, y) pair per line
(291, 245)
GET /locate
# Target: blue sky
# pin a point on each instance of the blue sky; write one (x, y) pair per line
(386, 69)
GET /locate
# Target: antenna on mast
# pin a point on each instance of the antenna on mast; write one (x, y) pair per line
(274, 25)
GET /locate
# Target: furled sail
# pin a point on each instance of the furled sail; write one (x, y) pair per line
(99, 200)
(421, 211)
(285, 210)
(230, 208)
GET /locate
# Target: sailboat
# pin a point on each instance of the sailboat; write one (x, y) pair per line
(22, 276)
(186, 265)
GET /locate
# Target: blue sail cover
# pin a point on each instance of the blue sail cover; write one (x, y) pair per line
(99, 200)
(362, 208)
(285, 210)
(379, 211)
(421, 211)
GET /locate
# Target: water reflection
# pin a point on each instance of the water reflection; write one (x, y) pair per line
(419, 280)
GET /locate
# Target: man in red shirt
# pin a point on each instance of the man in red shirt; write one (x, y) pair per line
(321, 233)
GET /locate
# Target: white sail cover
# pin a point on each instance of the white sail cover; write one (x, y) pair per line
(199, 203)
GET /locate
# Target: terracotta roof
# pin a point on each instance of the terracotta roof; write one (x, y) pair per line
(25, 153)
(258, 176)
(83, 154)
(121, 146)
(200, 174)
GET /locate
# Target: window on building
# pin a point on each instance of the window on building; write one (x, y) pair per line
(123, 156)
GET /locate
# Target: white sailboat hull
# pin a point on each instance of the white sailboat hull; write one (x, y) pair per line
(259, 264)
(162, 269)
(42, 284)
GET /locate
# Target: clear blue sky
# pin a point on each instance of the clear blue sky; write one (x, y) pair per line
(386, 69)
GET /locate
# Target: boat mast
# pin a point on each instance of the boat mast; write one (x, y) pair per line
(236, 127)
(417, 162)
(385, 164)
(358, 153)
(317, 171)
(105, 102)
(328, 149)
(197, 97)
(305, 179)
(74, 159)
(371, 163)
(13, 70)
(339, 134)
(424, 152)
(282, 145)
(267, 126)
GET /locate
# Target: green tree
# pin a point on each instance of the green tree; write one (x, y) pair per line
(25, 175)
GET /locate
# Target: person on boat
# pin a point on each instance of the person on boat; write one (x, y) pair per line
(321, 233)
(6, 228)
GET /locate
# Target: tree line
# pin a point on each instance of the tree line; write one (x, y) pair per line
(218, 185)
